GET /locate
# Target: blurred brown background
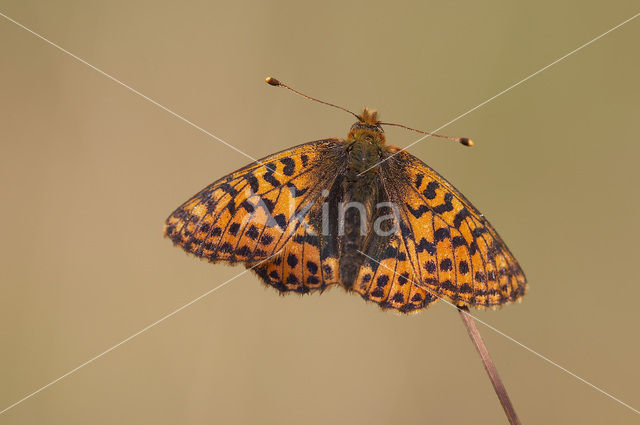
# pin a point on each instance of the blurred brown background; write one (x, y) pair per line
(89, 171)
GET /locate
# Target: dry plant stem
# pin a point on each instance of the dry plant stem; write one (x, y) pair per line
(489, 366)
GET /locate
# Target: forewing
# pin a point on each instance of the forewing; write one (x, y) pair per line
(251, 214)
(443, 247)
(452, 249)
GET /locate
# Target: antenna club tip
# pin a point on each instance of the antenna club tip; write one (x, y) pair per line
(272, 81)
(466, 142)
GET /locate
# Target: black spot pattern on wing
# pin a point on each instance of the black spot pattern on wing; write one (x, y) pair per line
(302, 266)
(454, 252)
(252, 213)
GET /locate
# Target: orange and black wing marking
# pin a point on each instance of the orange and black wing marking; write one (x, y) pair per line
(444, 247)
(253, 213)
(389, 278)
(308, 262)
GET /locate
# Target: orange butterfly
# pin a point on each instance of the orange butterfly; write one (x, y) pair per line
(355, 213)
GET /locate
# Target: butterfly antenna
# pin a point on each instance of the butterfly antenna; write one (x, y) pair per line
(276, 83)
(462, 140)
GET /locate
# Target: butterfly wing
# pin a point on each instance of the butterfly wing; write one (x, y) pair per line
(443, 247)
(249, 215)
(388, 277)
(308, 262)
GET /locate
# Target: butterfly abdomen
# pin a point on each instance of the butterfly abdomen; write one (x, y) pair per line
(354, 225)
(360, 193)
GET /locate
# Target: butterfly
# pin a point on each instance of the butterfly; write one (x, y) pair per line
(355, 213)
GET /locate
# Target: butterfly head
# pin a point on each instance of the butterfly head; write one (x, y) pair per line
(367, 129)
(365, 145)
